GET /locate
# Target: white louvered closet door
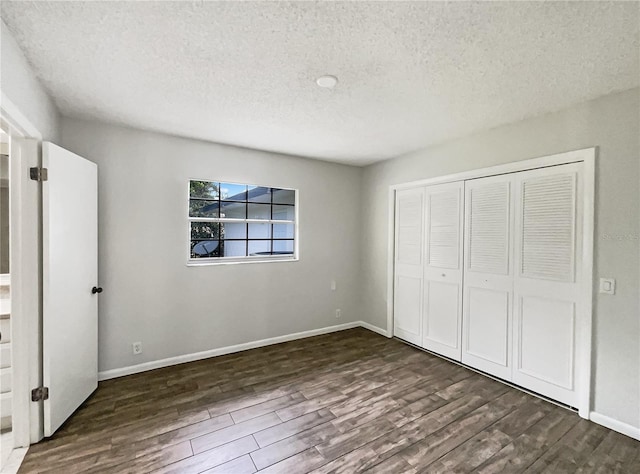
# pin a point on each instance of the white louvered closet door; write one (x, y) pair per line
(408, 265)
(488, 275)
(547, 290)
(442, 303)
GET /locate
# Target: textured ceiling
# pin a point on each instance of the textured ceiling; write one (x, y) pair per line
(243, 73)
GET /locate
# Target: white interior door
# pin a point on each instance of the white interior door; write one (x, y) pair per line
(442, 304)
(547, 280)
(407, 305)
(488, 277)
(70, 271)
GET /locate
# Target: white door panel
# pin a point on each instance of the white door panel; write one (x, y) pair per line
(547, 281)
(442, 308)
(546, 338)
(407, 303)
(407, 307)
(70, 311)
(487, 338)
(488, 275)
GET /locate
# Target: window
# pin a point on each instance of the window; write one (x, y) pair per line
(240, 222)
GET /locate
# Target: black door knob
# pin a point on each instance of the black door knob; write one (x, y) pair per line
(96, 289)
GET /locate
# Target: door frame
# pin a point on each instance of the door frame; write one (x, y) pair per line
(26, 301)
(588, 157)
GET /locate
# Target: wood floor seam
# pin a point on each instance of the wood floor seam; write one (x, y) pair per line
(352, 401)
(440, 429)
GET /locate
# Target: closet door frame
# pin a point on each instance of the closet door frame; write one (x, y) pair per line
(585, 319)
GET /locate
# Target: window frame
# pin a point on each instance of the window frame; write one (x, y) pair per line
(206, 261)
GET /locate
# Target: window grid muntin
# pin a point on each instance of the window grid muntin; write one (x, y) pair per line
(248, 188)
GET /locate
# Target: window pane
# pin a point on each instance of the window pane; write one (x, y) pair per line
(233, 192)
(232, 230)
(259, 231)
(284, 246)
(259, 194)
(259, 211)
(233, 210)
(205, 248)
(201, 208)
(236, 204)
(284, 196)
(259, 247)
(234, 248)
(203, 189)
(283, 213)
(205, 230)
(283, 231)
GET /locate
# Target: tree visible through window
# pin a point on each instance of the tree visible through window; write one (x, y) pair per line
(241, 221)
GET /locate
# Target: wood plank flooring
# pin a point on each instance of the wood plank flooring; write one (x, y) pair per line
(346, 402)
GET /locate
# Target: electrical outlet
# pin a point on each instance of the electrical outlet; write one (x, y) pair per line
(608, 286)
(333, 285)
(338, 313)
(137, 348)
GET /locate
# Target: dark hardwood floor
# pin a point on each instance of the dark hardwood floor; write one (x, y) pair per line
(345, 402)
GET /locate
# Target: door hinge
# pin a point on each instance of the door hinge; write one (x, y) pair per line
(39, 174)
(39, 394)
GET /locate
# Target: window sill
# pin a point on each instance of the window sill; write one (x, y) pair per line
(234, 261)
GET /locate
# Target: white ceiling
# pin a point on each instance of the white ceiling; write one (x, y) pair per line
(243, 73)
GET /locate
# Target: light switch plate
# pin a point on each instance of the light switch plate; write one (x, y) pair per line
(608, 286)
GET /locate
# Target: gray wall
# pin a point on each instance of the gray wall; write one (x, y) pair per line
(150, 295)
(611, 123)
(22, 88)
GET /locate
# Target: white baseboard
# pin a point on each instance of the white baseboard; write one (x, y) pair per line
(15, 460)
(603, 420)
(373, 328)
(615, 425)
(157, 364)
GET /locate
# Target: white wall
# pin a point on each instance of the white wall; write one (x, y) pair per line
(20, 86)
(611, 123)
(150, 295)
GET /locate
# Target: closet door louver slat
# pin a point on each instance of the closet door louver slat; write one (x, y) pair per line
(409, 229)
(444, 228)
(548, 227)
(489, 228)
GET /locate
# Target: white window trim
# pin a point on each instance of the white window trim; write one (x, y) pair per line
(25, 270)
(205, 262)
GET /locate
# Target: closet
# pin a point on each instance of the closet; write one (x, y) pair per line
(488, 272)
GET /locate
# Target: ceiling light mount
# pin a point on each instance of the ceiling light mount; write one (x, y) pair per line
(327, 81)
